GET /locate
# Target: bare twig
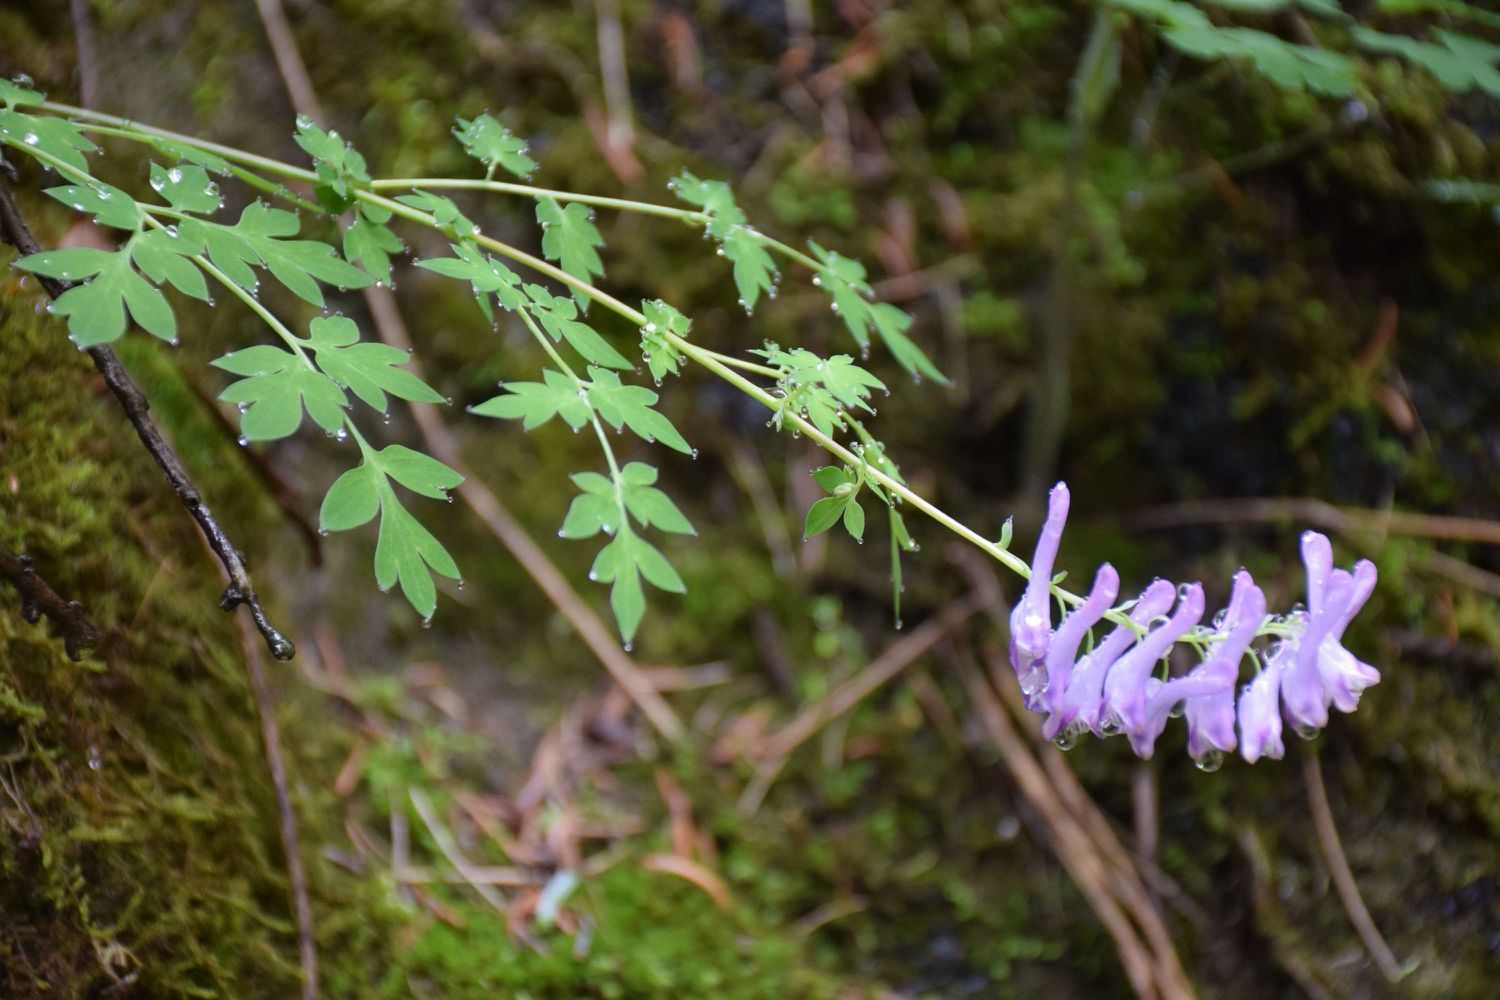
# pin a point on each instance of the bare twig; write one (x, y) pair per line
(288, 60)
(897, 657)
(38, 599)
(511, 878)
(444, 840)
(137, 410)
(1270, 922)
(1143, 801)
(1305, 510)
(87, 52)
(1338, 869)
(612, 68)
(772, 752)
(1126, 876)
(1069, 840)
(270, 733)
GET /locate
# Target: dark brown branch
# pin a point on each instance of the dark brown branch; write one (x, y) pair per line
(14, 231)
(38, 599)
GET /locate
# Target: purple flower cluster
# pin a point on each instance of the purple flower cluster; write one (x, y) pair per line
(1113, 688)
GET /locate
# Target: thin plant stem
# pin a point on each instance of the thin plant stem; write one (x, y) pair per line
(719, 364)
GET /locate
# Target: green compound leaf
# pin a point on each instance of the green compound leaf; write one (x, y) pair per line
(107, 204)
(1460, 63)
(631, 406)
(407, 553)
(258, 239)
(854, 520)
(820, 389)
(535, 403)
(492, 144)
(45, 134)
(276, 389)
(602, 506)
(417, 472)
(830, 477)
(844, 281)
(186, 187)
(843, 504)
(72, 264)
(1298, 67)
(369, 243)
(444, 212)
(487, 275)
(570, 238)
(590, 514)
(17, 93)
(824, 514)
(559, 317)
(96, 311)
(340, 168)
(623, 562)
(754, 270)
(653, 508)
(891, 324)
(366, 369)
(164, 256)
(352, 500)
(659, 353)
(714, 198)
(1456, 8)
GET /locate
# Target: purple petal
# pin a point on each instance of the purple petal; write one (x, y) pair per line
(1083, 701)
(1317, 556)
(1031, 621)
(1260, 722)
(1125, 687)
(1064, 647)
(1210, 683)
(1303, 695)
(1210, 717)
(1344, 675)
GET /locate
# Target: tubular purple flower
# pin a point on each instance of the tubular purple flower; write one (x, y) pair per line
(1260, 722)
(1084, 699)
(1031, 621)
(1063, 650)
(1210, 684)
(1125, 686)
(1111, 689)
(1344, 675)
(1303, 694)
(1210, 717)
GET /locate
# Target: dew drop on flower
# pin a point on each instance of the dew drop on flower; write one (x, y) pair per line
(1210, 762)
